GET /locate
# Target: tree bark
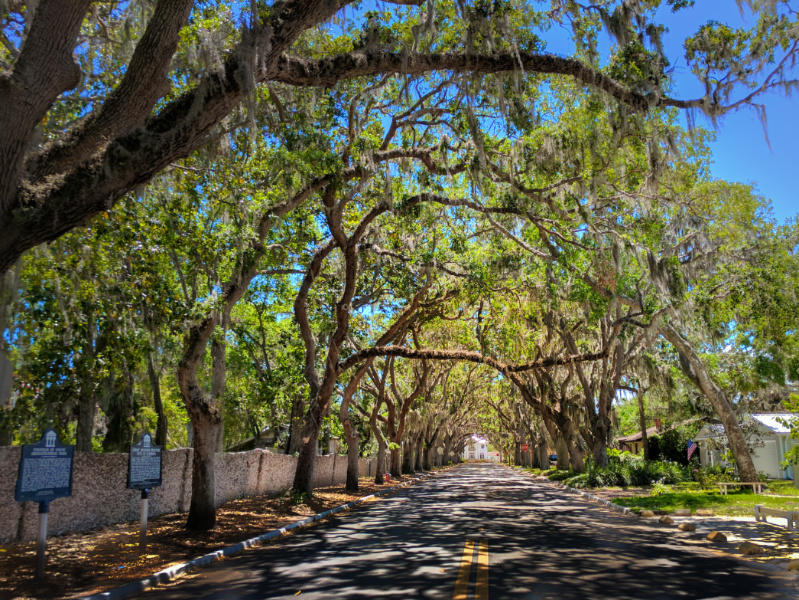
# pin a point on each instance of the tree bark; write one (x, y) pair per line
(395, 468)
(8, 291)
(419, 453)
(87, 409)
(218, 378)
(351, 435)
(162, 428)
(202, 511)
(562, 452)
(303, 477)
(576, 459)
(642, 421)
(380, 468)
(295, 431)
(543, 455)
(408, 457)
(695, 370)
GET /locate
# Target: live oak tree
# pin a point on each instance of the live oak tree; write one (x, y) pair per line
(160, 110)
(317, 136)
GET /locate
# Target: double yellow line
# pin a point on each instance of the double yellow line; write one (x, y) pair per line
(465, 573)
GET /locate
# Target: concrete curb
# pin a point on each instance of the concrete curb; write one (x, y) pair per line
(165, 576)
(614, 507)
(728, 548)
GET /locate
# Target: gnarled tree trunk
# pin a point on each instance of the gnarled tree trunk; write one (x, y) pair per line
(162, 428)
(693, 368)
(419, 453)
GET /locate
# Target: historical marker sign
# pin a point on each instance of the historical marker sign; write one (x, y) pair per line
(45, 470)
(144, 464)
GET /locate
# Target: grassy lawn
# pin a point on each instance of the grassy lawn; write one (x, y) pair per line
(736, 503)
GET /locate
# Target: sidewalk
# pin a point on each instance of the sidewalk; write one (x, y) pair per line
(780, 545)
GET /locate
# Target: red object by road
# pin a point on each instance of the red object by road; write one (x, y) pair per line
(525, 447)
(388, 477)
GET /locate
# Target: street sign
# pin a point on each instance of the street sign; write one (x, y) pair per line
(525, 447)
(144, 464)
(45, 473)
(45, 470)
(144, 472)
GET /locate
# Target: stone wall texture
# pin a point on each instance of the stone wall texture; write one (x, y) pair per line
(100, 496)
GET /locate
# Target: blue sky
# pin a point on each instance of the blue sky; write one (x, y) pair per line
(741, 152)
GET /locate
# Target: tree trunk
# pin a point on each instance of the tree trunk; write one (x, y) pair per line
(601, 455)
(562, 452)
(218, 377)
(158, 404)
(543, 455)
(407, 457)
(420, 453)
(380, 468)
(534, 456)
(351, 438)
(295, 431)
(693, 367)
(642, 420)
(202, 512)
(430, 456)
(121, 408)
(395, 467)
(303, 477)
(576, 459)
(87, 407)
(351, 435)
(8, 289)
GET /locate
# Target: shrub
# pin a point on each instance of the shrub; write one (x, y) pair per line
(673, 446)
(560, 475)
(625, 470)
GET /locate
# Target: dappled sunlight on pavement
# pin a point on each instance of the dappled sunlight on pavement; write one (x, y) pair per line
(537, 541)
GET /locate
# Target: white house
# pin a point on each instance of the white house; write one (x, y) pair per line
(476, 448)
(769, 435)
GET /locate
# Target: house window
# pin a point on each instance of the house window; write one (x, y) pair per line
(471, 454)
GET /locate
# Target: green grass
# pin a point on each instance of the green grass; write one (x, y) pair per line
(736, 503)
(783, 488)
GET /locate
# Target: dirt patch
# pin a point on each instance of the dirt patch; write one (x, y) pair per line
(84, 563)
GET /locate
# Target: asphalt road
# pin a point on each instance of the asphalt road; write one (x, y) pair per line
(482, 531)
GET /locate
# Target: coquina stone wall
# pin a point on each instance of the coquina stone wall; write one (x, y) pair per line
(100, 496)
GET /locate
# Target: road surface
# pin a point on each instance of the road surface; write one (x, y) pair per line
(482, 531)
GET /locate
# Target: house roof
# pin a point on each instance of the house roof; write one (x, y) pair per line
(636, 437)
(776, 421)
(773, 421)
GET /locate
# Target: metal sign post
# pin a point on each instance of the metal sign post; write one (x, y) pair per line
(145, 495)
(45, 473)
(41, 540)
(144, 472)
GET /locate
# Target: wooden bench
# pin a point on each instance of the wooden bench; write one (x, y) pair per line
(757, 486)
(761, 512)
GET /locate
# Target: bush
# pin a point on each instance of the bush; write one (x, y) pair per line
(673, 447)
(625, 469)
(708, 477)
(556, 475)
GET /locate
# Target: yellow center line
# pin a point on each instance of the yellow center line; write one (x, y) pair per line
(462, 583)
(470, 550)
(481, 589)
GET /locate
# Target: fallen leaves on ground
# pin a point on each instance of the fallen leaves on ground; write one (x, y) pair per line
(83, 563)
